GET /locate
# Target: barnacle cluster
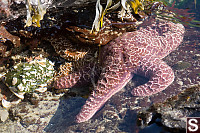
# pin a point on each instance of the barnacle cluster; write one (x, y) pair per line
(30, 76)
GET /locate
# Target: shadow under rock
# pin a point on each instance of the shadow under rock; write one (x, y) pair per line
(65, 114)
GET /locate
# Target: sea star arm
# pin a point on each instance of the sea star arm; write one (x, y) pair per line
(112, 79)
(160, 77)
(78, 79)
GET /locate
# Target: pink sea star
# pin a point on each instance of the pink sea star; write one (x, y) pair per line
(138, 52)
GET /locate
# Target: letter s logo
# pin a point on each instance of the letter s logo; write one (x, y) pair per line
(193, 125)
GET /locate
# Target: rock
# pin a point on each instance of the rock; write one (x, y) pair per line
(3, 114)
(35, 116)
(173, 112)
(182, 65)
(196, 57)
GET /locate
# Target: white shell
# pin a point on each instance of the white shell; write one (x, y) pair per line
(51, 63)
(20, 87)
(41, 89)
(16, 102)
(50, 68)
(24, 81)
(33, 72)
(43, 64)
(14, 81)
(18, 94)
(43, 85)
(6, 104)
(15, 67)
(27, 68)
(28, 74)
(2, 75)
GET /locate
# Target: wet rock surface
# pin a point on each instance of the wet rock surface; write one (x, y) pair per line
(172, 113)
(32, 114)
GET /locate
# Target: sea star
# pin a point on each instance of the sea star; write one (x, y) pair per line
(139, 52)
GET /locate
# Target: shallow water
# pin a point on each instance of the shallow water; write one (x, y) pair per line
(120, 113)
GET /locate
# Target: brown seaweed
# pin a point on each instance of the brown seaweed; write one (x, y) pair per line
(6, 35)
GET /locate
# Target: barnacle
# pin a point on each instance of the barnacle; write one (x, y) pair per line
(29, 76)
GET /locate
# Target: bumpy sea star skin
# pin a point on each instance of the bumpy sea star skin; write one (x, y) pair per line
(138, 52)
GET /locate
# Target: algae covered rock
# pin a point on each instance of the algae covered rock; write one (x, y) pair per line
(30, 76)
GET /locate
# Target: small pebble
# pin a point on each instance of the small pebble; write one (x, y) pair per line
(4, 115)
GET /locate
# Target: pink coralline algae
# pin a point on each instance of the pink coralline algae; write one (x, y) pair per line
(139, 52)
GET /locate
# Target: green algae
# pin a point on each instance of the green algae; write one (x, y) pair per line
(182, 65)
(29, 76)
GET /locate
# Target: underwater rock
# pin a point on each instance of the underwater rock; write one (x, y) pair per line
(196, 57)
(182, 65)
(32, 117)
(173, 112)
